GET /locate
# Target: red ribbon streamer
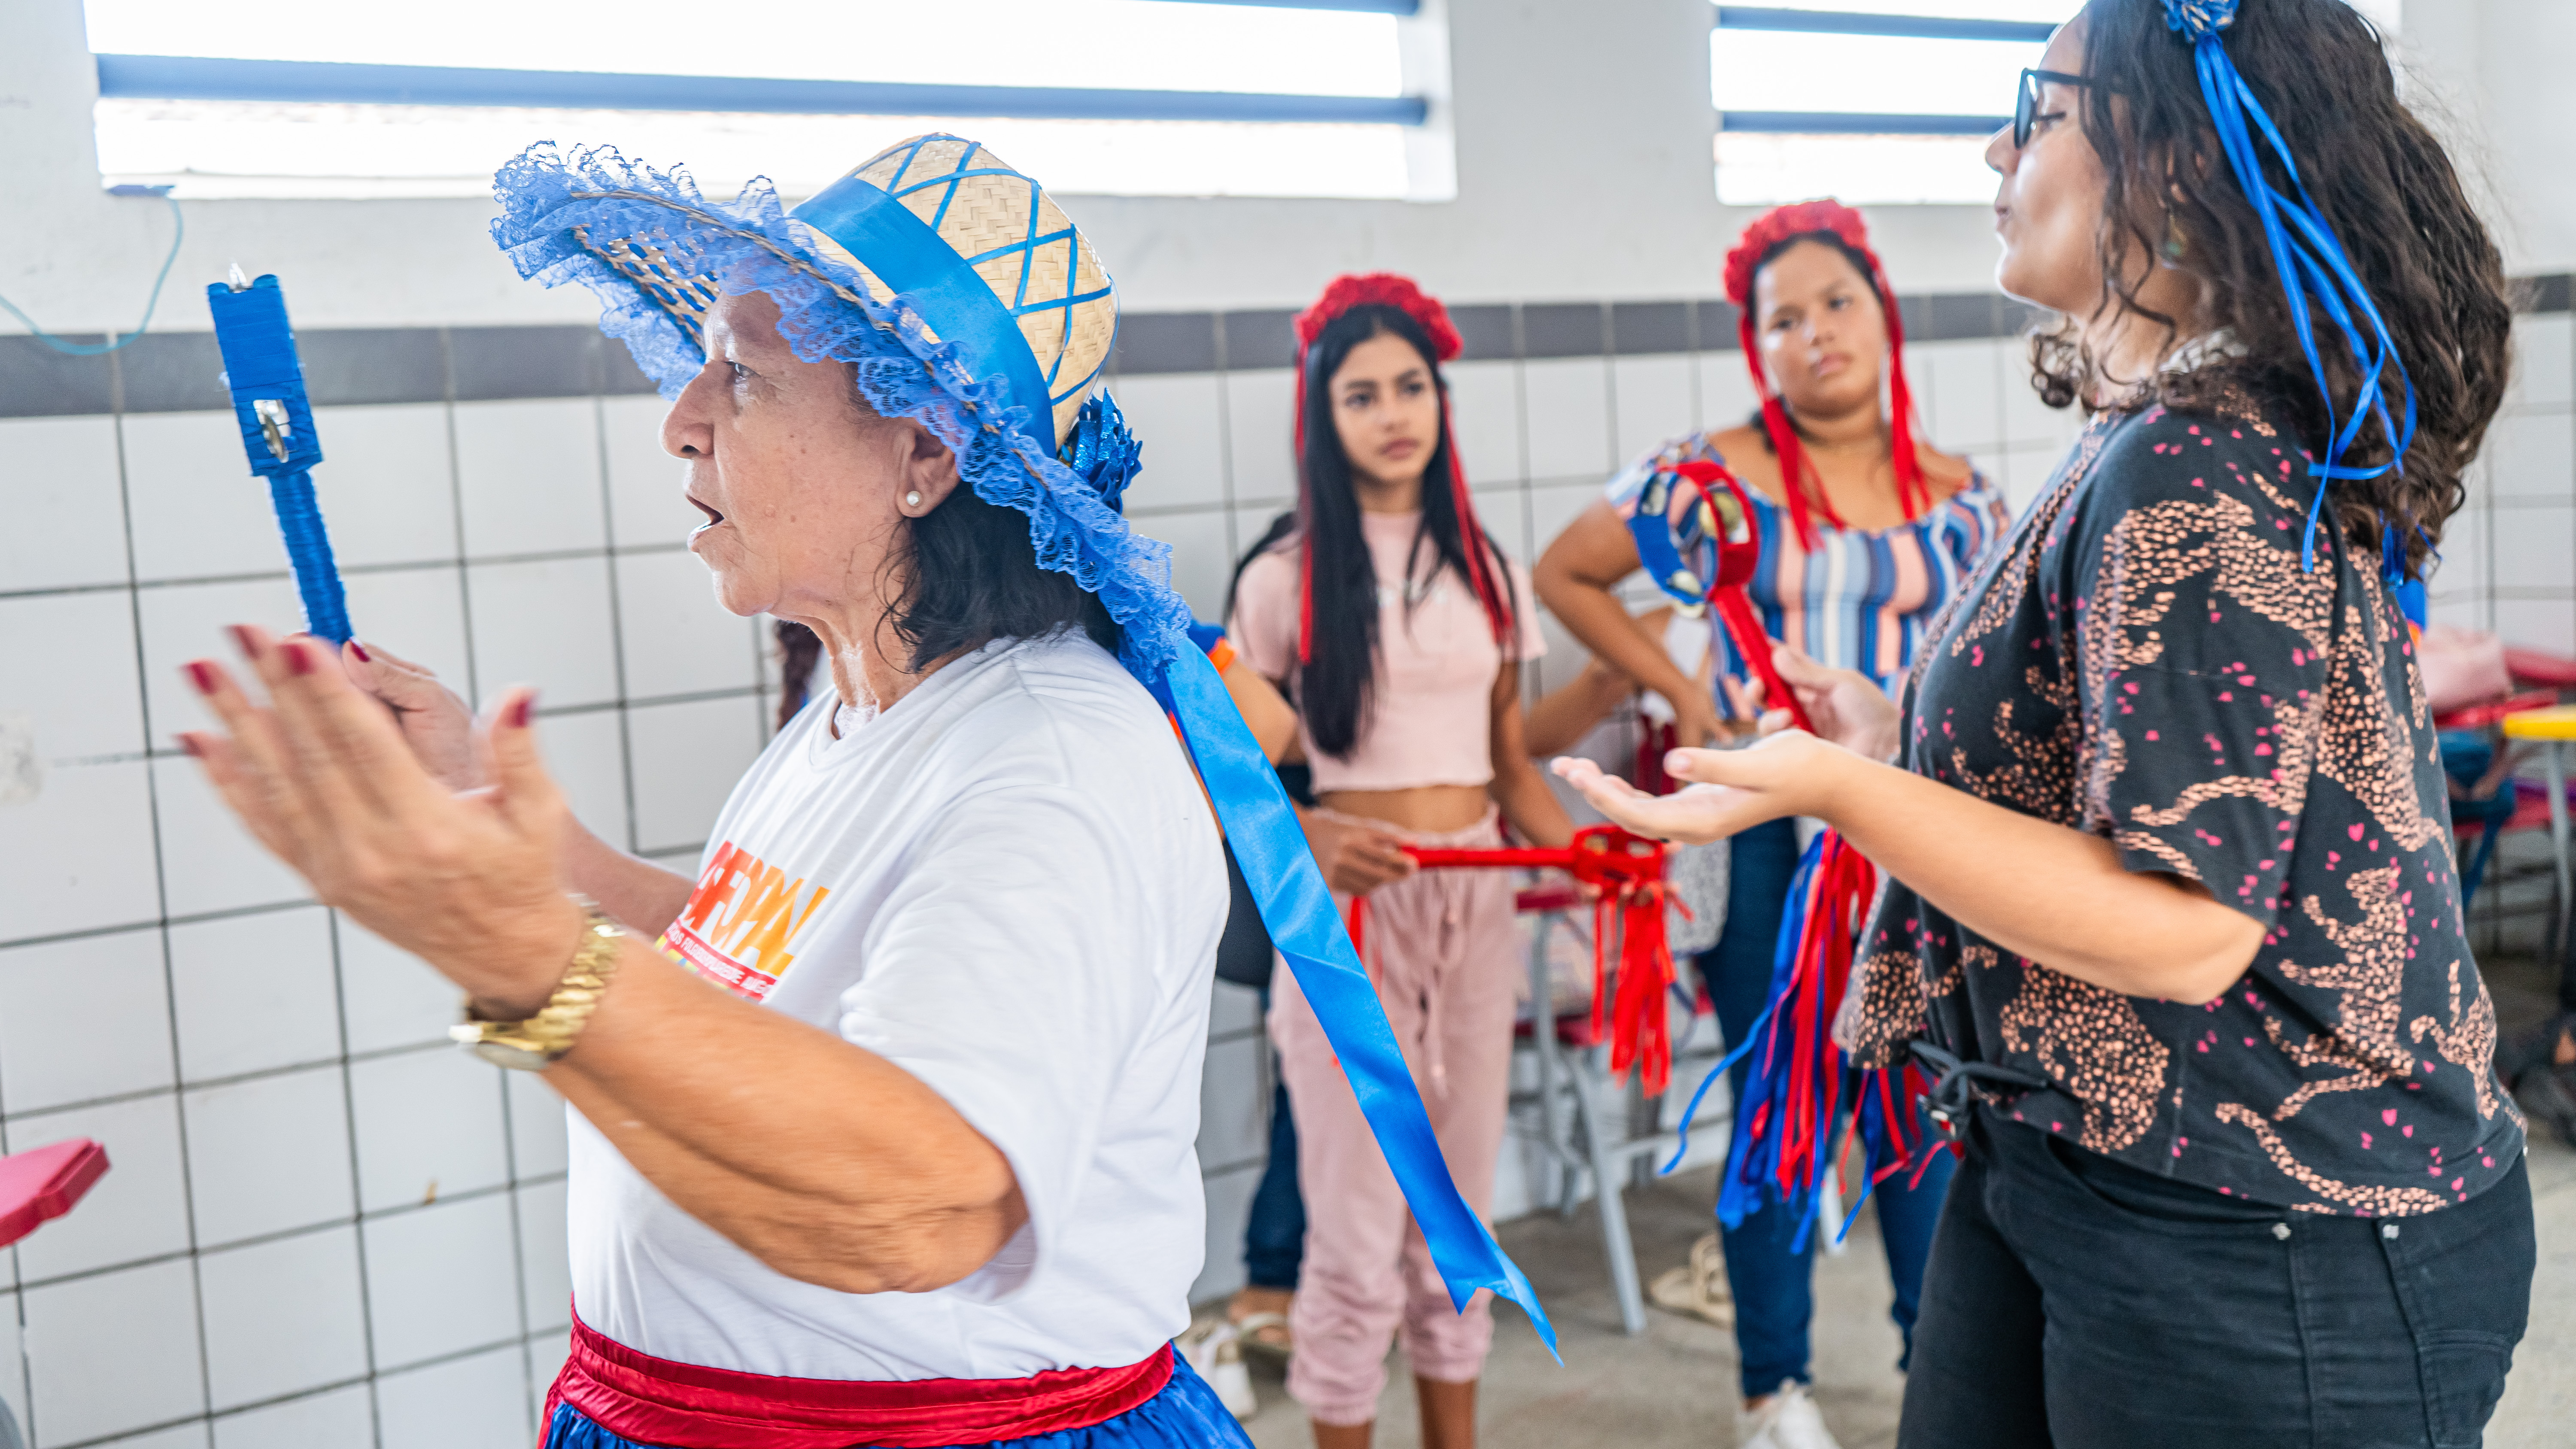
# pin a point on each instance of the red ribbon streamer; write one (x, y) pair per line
(1623, 873)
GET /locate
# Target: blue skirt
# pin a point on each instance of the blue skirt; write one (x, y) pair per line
(1185, 1415)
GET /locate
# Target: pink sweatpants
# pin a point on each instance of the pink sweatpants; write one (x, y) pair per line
(1441, 948)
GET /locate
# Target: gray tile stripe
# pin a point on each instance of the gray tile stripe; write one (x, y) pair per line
(178, 371)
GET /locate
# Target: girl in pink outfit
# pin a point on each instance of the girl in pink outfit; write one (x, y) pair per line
(1394, 623)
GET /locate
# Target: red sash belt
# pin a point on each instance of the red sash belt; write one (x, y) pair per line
(654, 1401)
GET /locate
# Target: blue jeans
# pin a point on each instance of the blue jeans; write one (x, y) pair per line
(1274, 1236)
(1774, 1287)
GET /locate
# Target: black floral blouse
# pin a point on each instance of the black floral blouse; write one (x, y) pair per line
(2143, 658)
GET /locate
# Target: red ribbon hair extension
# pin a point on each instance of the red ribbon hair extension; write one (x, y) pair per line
(1386, 289)
(1769, 230)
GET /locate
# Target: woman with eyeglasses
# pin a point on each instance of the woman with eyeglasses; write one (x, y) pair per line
(2172, 914)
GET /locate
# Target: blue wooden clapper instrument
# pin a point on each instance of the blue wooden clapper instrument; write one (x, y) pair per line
(267, 383)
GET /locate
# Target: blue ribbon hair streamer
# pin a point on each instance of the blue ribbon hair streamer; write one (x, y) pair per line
(260, 365)
(2309, 260)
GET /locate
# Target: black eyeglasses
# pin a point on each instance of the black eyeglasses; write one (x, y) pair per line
(2026, 104)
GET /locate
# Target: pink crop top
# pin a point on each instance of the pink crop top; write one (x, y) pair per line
(1430, 718)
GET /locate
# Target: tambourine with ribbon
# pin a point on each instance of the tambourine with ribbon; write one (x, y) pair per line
(1799, 1083)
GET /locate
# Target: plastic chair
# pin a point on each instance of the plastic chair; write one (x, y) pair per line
(1574, 1131)
(2554, 730)
(2532, 669)
(2536, 681)
(36, 1187)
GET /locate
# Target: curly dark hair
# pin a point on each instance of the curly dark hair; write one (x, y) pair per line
(2385, 185)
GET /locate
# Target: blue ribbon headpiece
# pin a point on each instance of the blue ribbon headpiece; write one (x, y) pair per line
(2314, 271)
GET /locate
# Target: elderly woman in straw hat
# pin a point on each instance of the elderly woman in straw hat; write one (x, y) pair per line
(890, 1141)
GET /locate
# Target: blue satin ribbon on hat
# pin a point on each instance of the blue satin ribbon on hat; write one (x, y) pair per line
(1298, 909)
(907, 254)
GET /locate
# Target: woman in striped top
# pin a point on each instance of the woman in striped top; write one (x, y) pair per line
(1866, 534)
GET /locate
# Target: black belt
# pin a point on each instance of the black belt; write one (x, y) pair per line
(1957, 1086)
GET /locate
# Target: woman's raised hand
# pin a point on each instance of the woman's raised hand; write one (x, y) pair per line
(329, 783)
(435, 723)
(1356, 859)
(1846, 706)
(1788, 773)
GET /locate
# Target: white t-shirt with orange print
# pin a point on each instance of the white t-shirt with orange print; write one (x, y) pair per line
(1009, 885)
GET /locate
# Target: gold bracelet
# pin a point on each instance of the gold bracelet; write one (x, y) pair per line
(539, 1041)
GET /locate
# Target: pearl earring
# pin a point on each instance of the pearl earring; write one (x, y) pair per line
(912, 499)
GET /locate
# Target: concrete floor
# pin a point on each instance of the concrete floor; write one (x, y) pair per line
(1675, 1385)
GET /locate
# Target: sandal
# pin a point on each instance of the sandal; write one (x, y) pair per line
(1266, 1333)
(1698, 1291)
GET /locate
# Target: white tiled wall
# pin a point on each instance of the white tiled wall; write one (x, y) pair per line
(2509, 565)
(323, 1223)
(2509, 560)
(324, 1228)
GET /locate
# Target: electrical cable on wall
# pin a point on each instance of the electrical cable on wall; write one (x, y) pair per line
(178, 234)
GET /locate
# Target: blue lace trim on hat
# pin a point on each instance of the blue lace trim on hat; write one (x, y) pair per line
(752, 244)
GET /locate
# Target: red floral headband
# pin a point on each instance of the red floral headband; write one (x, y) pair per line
(1826, 217)
(1779, 224)
(1384, 289)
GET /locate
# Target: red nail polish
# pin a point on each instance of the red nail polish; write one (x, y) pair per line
(361, 651)
(202, 675)
(299, 660)
(519, 711)
(242, 641)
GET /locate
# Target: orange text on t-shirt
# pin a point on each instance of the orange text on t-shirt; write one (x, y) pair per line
(735, 929)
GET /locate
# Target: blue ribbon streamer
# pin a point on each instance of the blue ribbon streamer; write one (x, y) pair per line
(1751, 1161)
(1297, 908)
(2307, 257)
(260, 366)
(907, 254)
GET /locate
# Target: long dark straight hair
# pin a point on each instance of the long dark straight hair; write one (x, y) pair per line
(1336, 689)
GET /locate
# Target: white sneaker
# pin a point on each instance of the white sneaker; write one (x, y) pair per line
(1789, 1421)
(1216, 1351)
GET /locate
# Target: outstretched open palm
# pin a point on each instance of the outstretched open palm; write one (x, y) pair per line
(1787, 773)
